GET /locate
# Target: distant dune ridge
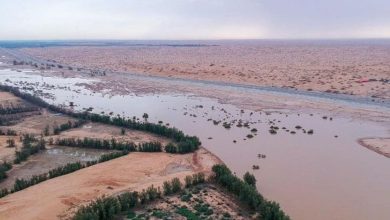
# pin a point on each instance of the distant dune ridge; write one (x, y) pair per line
(349, 68)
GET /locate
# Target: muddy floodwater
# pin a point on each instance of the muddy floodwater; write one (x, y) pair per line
(310, 163)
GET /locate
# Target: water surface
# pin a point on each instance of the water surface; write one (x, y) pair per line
(326, 175)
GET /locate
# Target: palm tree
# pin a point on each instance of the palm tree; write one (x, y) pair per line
(145, 116)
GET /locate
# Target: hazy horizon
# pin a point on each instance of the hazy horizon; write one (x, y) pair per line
(197, 40)
(194, 20)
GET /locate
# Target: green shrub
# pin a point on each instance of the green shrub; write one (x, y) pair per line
(248, 194)
(184, 211)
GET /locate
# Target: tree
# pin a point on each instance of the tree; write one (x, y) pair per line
(167, 187)
(4, 167)
(198, 178)
(128, 200)
(170, 148)
(46, 131)
(248, 194)
(153, 193)
(176, 185)
(188, 181)
(145, 116)
(10, 142)
(30, 145)
(250, 179)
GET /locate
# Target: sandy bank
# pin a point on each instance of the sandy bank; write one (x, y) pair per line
(379, 145)
(59, 197)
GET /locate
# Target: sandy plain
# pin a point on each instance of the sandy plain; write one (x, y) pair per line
(100, 131)
(7, 100)
(358, 69)
(35, 124)
(7, 153)
(60, 197)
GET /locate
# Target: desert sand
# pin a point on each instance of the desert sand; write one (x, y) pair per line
(357, 69)
(7, 153)
(7, 99)
(100, 131)
(35, 124)
(59, 197)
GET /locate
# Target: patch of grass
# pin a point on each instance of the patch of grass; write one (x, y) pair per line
(131, 214)
(204, 209)
(159, 214)
(141, 217)
(184, 211)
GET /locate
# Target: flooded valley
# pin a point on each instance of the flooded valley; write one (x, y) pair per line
(308, 161)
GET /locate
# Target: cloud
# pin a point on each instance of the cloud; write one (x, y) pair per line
(193, 19)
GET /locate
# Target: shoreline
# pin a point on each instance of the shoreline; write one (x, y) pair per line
(372, 147)
(300, 101)
(115, 84)
(358, 99)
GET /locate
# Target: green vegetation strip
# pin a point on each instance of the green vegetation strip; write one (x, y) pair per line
(109, 144)
(30, 146)
(64, 127)
(4, 167)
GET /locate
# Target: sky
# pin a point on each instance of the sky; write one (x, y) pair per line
(193, 19)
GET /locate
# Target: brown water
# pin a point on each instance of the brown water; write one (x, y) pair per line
(316, 176)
